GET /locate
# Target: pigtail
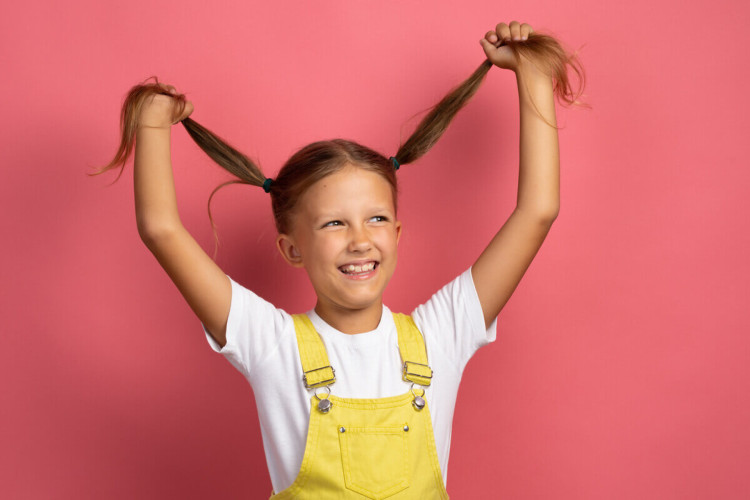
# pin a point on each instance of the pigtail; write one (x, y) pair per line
(219, 150)
(544, 50)
(437, 120)
(229, 159)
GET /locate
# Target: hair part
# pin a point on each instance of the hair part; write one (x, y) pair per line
(322, 158)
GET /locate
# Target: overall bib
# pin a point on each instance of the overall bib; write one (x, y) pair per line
(367, 448)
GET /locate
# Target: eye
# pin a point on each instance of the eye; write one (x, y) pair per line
(333, 223)
(379, 218)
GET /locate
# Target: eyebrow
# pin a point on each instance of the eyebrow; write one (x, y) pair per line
(335, 215)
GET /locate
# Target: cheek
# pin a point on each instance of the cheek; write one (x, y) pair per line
(326, 248)
(388, 241)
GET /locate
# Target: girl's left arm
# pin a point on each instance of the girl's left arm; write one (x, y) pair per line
(500, 267)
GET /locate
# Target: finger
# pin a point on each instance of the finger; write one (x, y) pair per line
(491, 37)
(525, 30)
(515, 30)
(503, 31)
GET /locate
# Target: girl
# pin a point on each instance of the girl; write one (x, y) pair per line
(354, 401)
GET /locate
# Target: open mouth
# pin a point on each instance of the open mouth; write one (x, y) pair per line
(359, 270)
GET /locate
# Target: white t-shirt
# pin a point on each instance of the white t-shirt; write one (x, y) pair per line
(262, 345)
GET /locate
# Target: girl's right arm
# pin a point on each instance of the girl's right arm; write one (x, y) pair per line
(201, 282)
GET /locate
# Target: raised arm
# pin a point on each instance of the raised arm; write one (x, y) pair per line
(500, 267)
(201, 282)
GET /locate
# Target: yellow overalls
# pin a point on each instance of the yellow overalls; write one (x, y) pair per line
(367, 448)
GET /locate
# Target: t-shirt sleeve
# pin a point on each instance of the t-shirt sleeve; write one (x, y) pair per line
(253, 329)
(453, 319)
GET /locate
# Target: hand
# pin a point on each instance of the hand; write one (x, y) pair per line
(159, 109)
(495, 44)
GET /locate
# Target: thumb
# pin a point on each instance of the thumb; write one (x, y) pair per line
(502, 56)
(488, 46)
(187, 111)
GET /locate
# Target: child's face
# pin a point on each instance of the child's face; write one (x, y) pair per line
(341, 223)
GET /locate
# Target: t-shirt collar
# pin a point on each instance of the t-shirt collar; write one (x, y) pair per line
(328, 332)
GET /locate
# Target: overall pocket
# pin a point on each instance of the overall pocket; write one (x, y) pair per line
(375, 460)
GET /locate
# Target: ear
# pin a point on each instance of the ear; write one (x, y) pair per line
(398, 231)
(289, 250)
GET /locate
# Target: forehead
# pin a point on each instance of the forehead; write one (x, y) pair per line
(350, 188)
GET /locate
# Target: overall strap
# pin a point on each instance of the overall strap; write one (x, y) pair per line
(312, 352)
(413, 351)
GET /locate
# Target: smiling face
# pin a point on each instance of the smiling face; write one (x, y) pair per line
(345, 234)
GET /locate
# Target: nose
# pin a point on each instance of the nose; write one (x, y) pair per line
(359, 239)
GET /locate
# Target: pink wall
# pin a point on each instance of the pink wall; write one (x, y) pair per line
(620, 368)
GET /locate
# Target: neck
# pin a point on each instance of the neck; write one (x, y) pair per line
(351, 321)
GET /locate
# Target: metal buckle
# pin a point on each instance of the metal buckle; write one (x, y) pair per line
(407, 372)
(322, 382)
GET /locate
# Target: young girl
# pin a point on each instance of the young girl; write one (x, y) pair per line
(354, 401)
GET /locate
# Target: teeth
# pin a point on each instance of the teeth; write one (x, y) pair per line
(351, 268)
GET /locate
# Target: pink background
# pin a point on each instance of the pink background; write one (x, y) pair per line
(620, 367)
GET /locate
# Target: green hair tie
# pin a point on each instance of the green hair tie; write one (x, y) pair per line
(396, 164)
(267, 185)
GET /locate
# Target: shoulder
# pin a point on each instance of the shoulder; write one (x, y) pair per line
(255, 328)
(453, 319)
(451, 297)
(250, 303)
